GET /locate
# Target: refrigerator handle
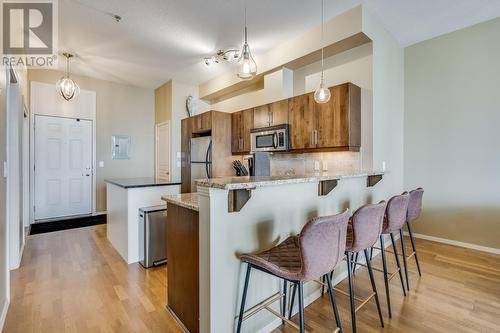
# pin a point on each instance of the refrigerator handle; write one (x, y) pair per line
(208, 160)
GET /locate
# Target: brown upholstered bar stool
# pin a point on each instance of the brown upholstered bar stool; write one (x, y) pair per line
(414, 210)
(311, 255)
(395, 218)
(363, 231)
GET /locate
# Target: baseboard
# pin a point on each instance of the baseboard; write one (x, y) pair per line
(100, 213)
(317, 294)
(457, 243)
(3, 314)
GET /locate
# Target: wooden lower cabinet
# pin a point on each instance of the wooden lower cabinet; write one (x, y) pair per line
(183, 266)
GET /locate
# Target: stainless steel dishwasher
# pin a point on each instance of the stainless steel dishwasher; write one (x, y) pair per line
(152, 236)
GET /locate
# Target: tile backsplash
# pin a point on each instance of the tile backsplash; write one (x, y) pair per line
(283, 164)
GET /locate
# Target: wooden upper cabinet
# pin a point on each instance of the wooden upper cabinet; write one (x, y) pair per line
(338, 122)
(261, 116)
(201, 122)
(302, 121)
(278, 112)
(241, 123)
(272, 114)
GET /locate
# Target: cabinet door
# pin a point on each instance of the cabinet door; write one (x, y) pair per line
(279, 112)
(246, 126)
(302, 121)
(236, 132)
(261, 116)
(202, 122)
(333, 119)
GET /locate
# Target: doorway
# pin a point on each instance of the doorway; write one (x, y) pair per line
(162, 168)
(63, 168)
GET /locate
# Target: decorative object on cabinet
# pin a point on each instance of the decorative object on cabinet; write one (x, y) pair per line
(120, 147)
(191, 105)
(247, 68)
(66, 86)
(322, 94)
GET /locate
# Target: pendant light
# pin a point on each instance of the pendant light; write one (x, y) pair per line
(247, 68)
(66, 86)
(322, 94)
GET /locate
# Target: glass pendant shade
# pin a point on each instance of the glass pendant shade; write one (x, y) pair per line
(322, 94)
(247, 67)
(68, 88)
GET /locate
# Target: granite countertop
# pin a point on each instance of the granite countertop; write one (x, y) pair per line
(138, 182)
(236, 183)
(186, 200)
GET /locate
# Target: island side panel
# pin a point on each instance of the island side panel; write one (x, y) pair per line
(117, 218)
(139, 197)
(182, 235)
(269, 217)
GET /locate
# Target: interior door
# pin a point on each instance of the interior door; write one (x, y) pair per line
(63, 167)
(163, 151)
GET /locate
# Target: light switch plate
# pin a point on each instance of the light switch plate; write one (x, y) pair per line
(101, 164)
(4, 169)
(179, 154)
(178, 164)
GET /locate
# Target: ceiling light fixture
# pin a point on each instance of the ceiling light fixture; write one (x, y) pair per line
(66, 86)
(247, 68)
(322, 94)
(230, 55)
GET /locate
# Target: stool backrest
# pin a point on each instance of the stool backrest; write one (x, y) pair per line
(395, 213)
(415, 204)
(322, 244)
(366, 224)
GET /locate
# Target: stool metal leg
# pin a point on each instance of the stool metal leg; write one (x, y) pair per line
(413, 247)
(292, 300)
(374, 287)
(355, 263)
(351, 292)
(283, 308)
(323, 285)
(386, 279)
(334, 303)
(398, 264)
(405, 260)
(301, 307)
(243, 299)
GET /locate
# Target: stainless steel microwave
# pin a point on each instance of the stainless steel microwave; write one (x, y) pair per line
(274, 138)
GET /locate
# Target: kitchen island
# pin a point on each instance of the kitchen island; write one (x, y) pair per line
(250, 214)
(182, 235)
(124, 198)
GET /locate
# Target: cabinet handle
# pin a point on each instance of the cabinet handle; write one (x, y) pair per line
(315, 137)
(312, 137)
(272, 119)
(199, 123)
(241, 144)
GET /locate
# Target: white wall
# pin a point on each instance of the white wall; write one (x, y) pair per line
(121, 109)
(452, 133)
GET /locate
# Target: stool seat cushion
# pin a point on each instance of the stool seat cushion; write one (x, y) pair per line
(395, 213)
(364, 227)
(282, 260)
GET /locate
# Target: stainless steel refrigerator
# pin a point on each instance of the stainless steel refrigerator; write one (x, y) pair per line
(201, 159)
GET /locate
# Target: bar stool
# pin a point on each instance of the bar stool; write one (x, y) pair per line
(395, 218)
(363, 231)
(414, 210)
(314, 253)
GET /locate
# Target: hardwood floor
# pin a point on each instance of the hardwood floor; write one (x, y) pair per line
(459, 291)
(74, 281)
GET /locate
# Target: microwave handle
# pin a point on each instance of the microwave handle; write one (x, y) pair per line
(275, 140)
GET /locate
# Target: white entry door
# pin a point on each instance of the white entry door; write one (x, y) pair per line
(63, 167)
(163, 151)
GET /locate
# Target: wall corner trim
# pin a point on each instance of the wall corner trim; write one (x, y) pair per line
(457, 243)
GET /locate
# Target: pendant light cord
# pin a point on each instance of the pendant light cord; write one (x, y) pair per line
(67, 66)
(245, 19)
(322, 42)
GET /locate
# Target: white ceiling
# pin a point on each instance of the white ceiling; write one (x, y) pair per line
(158, 40)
